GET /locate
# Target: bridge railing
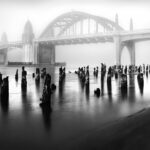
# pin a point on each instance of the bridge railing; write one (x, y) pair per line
(144, 31)
(10, 44)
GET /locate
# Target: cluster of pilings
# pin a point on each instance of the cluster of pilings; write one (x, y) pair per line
(39, 74)
(23, 78)
(95, 72)
(118, 72)
(121, 72)
(84, 76)
(83, 73)
(84, 79)
(48, 88)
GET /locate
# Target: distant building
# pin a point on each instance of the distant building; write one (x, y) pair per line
(28, 35)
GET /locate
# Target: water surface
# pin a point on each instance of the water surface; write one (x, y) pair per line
(76, 111)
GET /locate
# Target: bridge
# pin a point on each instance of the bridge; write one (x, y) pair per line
(11, 44)
(4, 47)
(83, 28)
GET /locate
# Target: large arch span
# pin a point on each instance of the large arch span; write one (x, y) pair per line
(65, 21)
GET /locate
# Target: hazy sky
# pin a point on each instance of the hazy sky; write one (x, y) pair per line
(15, 13)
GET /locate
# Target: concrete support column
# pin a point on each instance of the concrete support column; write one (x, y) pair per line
(117, 22)
(6, 56)
(96, 27)
(81, 27)
(88, 25)
(131, 48)
(52, 56)
(46, 53)
(75, 29)
(131, 24)
(28, 50)
(36, 53)
(118, 49)
(69, 31)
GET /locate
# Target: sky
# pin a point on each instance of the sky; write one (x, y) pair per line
(15, 13)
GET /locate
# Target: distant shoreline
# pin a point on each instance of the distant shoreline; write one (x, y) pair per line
(30, 64)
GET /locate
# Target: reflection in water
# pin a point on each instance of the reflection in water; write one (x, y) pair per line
(75, 113)
(81, 85)
(24, 93)
(132, 80)
(122, 88)
(16, 78)
(124, 92)
(46, 111)
(109, 87)
(16, 82)
(141, 85)
(131, 88)
(102, 83)
(5, 104)
(37, 85)
(52, 73)
(25, 101)
(87, 91)
(147, 74)
(61, 91)
(4, 95)
(46, 107)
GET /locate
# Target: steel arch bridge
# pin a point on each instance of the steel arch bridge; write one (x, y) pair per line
(78, 28)
(63, 31)
(69, 21)
(73, 28)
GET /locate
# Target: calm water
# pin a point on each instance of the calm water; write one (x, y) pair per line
(75, 110)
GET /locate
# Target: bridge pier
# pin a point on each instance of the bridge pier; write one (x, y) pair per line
(3, 57)
(44, 53)
(28, 53)
(131, 47)
(36, 53)
(118, 48)
(6, 57)
(52, 56)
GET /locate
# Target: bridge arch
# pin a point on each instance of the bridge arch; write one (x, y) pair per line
(130, 46)
(66, 20)
(125, 52)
